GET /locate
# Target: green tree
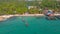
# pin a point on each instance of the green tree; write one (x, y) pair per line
(49, 3)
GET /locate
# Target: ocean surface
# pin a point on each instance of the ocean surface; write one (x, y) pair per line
(30, 25)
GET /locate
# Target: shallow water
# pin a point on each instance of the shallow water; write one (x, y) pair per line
(35, 26)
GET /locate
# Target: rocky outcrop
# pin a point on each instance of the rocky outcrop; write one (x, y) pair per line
(4, 17)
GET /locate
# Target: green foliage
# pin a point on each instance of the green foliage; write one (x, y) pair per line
(34, 11)
(49, 3)
(10, 7)
(20, 7)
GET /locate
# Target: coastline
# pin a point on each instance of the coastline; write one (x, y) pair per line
(4, 17)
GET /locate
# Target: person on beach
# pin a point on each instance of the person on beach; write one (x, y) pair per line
(48, 12)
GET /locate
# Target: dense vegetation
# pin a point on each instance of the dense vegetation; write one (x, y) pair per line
(20, 7)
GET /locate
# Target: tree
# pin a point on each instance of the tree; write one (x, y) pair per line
(49, 3)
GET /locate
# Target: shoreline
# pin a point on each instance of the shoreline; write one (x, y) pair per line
(4, 17)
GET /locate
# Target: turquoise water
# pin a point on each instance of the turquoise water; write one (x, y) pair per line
(35, 26)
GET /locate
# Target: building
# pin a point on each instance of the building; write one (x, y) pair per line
(29, 7)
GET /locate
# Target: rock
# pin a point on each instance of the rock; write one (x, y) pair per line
(2, 18)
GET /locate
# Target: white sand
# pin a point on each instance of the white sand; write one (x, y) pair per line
(29, 15)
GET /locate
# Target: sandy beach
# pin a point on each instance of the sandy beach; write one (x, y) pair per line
(3, 17)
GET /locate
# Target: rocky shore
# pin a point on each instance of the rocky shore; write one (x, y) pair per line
(4, 17)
